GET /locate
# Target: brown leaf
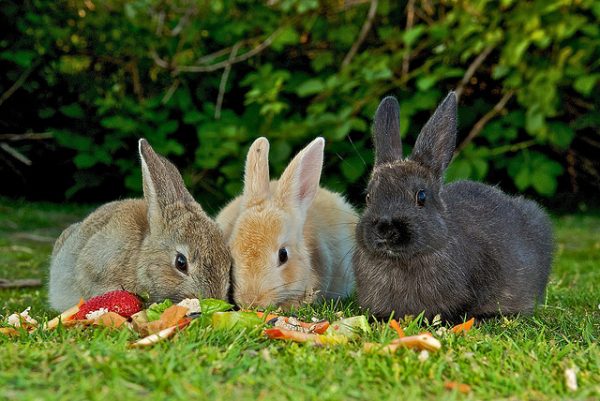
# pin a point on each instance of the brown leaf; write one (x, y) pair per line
(110, 319)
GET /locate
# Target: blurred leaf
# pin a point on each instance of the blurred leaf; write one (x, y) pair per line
(72, 110)
(310, 87)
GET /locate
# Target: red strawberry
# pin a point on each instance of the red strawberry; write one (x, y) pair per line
(122, 302)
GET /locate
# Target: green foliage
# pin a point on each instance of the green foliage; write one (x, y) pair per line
(107, 73)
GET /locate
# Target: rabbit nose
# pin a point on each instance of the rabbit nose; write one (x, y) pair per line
(394, 231)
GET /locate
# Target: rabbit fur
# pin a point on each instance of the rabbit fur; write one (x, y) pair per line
(460, 249)
(313, 226)
(137, 244)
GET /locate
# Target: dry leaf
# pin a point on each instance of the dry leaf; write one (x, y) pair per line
(110, 319)
(9, 331)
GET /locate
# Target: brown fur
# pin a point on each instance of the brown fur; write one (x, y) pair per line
(315, 225)
(132, 244)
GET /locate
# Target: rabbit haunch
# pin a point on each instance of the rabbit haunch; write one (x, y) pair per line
(464, 248)
(163, 245)
(290, 239)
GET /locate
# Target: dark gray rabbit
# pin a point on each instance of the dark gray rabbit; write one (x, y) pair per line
(464, 248)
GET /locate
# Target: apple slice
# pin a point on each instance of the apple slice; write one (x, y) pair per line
(66, 315)
(161, 335)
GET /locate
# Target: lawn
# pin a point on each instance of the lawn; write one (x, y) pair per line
(505, 358)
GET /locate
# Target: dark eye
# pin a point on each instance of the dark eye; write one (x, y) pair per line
(420, 197)
(181, 263)
(368, 198)
(283, 256)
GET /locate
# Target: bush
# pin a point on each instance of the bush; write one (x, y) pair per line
(202, 79)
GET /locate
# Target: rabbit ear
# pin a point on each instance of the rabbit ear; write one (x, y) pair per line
(299, 182)
(436, 142)
(256, 176)
(163, 184)
(386, 131)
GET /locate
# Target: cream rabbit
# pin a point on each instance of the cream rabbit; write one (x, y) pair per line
(290, 239)
(163, 245)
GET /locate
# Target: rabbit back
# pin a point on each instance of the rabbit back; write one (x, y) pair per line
(101, 250)
(507, 242)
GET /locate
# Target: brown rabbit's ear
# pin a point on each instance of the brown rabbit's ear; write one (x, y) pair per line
(436, 142)
(256, 175)
(299, 182)
(163, 185)
(386, 131)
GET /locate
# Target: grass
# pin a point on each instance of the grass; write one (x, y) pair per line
(504, 358)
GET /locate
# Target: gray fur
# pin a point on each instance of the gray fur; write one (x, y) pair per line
(470, 249)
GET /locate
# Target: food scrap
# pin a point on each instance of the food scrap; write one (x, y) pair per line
(160, 321)
(460, 387)
(122, 302)
(463, 328)
(396, 326)
(278, 333)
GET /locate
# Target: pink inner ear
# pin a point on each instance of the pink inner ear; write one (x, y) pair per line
(310, 173)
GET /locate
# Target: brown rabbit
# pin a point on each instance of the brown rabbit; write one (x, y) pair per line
(163, 245)
(290, 239)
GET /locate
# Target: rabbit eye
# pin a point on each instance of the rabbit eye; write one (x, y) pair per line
(420, 197)
(368, 198)
(181, 263)
(283, 256)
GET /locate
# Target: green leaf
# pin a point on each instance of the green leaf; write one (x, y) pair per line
(73, 110)
(342, 130)
(426, 82)
(85, 160)
(353, 168)
(168, 128)
(120, 123)
(156, 309)
(459, 169)
(310, 87)
(287, 36)
(586, 83)
(543, 182)
(410, 36)
(561, 134)
(534, 121)
(22, 58)
(235, 320)
(211, 305)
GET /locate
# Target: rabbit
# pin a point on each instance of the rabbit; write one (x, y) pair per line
(461, 249)
(291, 240)
(163, 245)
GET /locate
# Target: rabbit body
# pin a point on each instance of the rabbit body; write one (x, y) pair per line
(466, 249)
(316, 232)
(163, 245)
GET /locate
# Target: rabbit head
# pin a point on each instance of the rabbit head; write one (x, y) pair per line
(271, 259)
(405, 210)
(183, 254)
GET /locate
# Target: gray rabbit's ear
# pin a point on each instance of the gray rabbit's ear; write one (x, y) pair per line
(386, 131)
(163, 185)
(256, 174)
(436, 142)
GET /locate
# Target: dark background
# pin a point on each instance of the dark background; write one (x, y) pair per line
(83, 80)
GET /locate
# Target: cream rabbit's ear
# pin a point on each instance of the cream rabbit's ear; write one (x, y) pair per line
(256, 175)
(299, 182)
(163, 184)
